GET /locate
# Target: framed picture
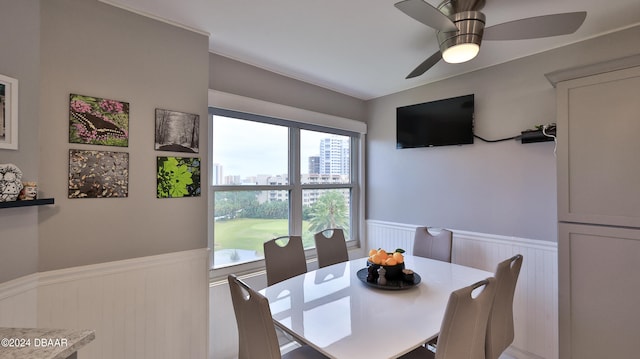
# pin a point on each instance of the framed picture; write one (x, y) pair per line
(178, 177)
(98, 174)
(8, 113)
(98, 121)
(177, 131)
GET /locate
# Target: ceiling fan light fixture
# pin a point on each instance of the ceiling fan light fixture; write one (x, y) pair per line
(460, 27)
(464, 44)
(460, 53)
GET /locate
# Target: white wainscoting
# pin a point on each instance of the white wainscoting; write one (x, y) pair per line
(536, 300)
(18, 302)
(151, 307)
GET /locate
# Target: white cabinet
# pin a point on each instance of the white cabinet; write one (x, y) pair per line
(599, 291)
(599, 149)
(598, 127)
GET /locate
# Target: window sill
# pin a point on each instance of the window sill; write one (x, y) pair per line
(258, 267)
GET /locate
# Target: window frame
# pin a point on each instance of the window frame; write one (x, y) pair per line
(308, 121)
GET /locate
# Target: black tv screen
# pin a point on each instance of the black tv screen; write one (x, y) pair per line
(437, 123)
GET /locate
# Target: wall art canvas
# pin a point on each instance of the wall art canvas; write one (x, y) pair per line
(177, 131)
(98, 174)
(8, 113)
(98, 121)
(178, 177)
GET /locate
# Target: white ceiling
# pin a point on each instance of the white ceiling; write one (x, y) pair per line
(364, 48)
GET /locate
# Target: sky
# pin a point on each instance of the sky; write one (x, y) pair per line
(248, 148)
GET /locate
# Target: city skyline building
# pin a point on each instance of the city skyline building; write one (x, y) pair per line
(314, 164)
(217, 174)
(335, 155)
(332, 166)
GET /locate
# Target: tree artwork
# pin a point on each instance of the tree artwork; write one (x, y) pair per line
(177, 131)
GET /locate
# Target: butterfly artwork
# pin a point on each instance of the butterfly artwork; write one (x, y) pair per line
(98, 121)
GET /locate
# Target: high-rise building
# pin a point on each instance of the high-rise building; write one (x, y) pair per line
(231, 180)
(217, 174)
(314, 164)
(334, 155)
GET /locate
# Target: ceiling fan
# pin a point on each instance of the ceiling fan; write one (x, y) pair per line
(460, 28)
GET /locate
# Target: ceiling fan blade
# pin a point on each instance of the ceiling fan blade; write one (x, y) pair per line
(425, 65)
(536, 27)
(426, 14)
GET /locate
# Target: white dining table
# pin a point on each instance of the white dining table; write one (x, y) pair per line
(341, 316)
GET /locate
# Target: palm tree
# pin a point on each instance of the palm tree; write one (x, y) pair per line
(329, 211)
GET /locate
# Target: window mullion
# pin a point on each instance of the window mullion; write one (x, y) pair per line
(222, 188)
(355, 189)
(327, 186)
(295, 196)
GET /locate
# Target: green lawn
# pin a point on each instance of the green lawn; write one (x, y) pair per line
(250, 233)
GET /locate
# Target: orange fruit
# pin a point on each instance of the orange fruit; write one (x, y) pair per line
(376, 259)
(398, 257)
(372, 252)
(390, 261)
(382, 253)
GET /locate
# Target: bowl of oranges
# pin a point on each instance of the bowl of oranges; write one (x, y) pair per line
(393, 262)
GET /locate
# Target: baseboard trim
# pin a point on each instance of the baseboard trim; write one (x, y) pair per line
(515, 353)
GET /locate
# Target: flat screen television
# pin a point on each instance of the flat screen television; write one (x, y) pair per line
(437, 123)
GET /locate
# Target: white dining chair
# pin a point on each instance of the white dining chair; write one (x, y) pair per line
(433, 245)
(256, 331)
(284, 261)
(331, 249)
(500, 327)
(464, 326)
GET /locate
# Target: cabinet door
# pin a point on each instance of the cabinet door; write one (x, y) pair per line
(599, 291)
(599, 149)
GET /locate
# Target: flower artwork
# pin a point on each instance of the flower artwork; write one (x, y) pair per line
(98, 174)
(178, 177)
(98, 121)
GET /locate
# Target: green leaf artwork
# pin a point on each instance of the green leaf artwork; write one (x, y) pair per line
(178, 177)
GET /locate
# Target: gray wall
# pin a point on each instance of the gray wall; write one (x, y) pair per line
(504, 188)
(241, 79)
(20, 60)
(98, 50)
(111, 53)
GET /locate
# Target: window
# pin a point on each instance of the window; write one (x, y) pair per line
(273, 177)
